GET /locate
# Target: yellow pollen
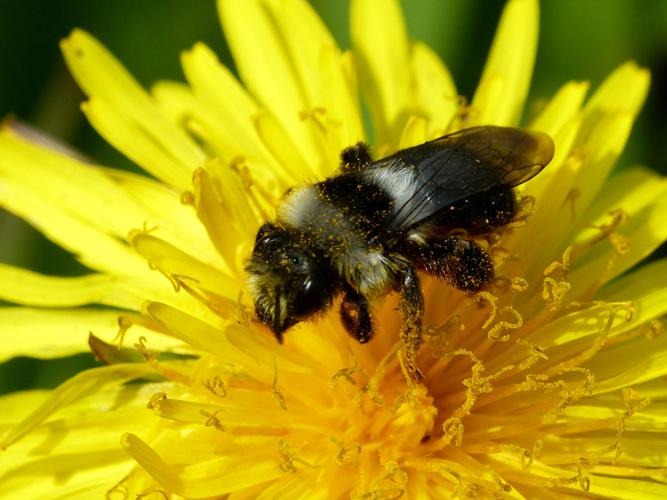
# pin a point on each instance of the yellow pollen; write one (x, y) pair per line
(609, 232)
(555, 285)
(613, 309)
(124, 324)
(535, 354)
(188, 198)
(655, 329)
(491, 299)
(519, 284)
(149, 356)
(346, 373)
(212, 420)
(216, 386)
(389, 486)
(495, 332)
(155, 399)
(289, 457)
(347, 455)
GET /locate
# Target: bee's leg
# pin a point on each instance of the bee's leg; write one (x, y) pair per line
(355, 315)
(462, 263)
(354, 158)
(411, 304)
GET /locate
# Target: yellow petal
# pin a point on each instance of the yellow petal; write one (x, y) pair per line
(571, 334)
(76, 476)
(262, 350)
(225, 211)
(634, 240)
(25, 287)
(539, 478)
(647, 187)
(321, 73)
(190, 329)
(93, 247)
(267, 65)
(414, 132)
(381, 45)
(600, 150)
(210, 477)
(230, 107)
(304, 36)
(199, 118)
(51, 174)
(435, 92)
(165, 214)
(503, 88)
(638, 286)
(290, 487)
(630, 363)
(570, 192)
(281, 146)
(123, 134)
(551, 191)
(644, 288)
(74, 389)
(339, 97)
(608, 118)
(76, 453)
(562, 108)
(17, 405)
(101, 76)
(182, 268)
(46, 333)
(624, 90)
(653, 416)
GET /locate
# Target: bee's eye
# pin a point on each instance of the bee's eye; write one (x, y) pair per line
(311, 297)
(270, 238)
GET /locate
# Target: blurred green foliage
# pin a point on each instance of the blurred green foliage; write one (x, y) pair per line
(580, 39)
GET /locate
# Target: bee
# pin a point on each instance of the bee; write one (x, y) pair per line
(369, 229)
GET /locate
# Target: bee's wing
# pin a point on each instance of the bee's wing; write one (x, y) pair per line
(462, 164)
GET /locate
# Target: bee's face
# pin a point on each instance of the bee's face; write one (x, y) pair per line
(287, 282)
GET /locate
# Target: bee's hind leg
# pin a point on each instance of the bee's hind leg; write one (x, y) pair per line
(462, 263)
(355, 315)
(411, 304)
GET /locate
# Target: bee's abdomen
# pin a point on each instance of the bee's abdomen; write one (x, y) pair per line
(480, 213)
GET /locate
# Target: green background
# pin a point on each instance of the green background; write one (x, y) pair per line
(579, 39)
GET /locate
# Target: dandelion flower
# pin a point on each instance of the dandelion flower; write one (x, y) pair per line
(551, 384)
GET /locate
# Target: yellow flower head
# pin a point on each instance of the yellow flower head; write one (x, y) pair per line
(551, 384)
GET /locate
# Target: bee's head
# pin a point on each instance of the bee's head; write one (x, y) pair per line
(288, 282)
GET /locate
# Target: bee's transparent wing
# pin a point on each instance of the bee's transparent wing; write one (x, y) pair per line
(463, 164)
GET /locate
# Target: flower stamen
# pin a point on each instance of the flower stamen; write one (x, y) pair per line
(277, 394)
